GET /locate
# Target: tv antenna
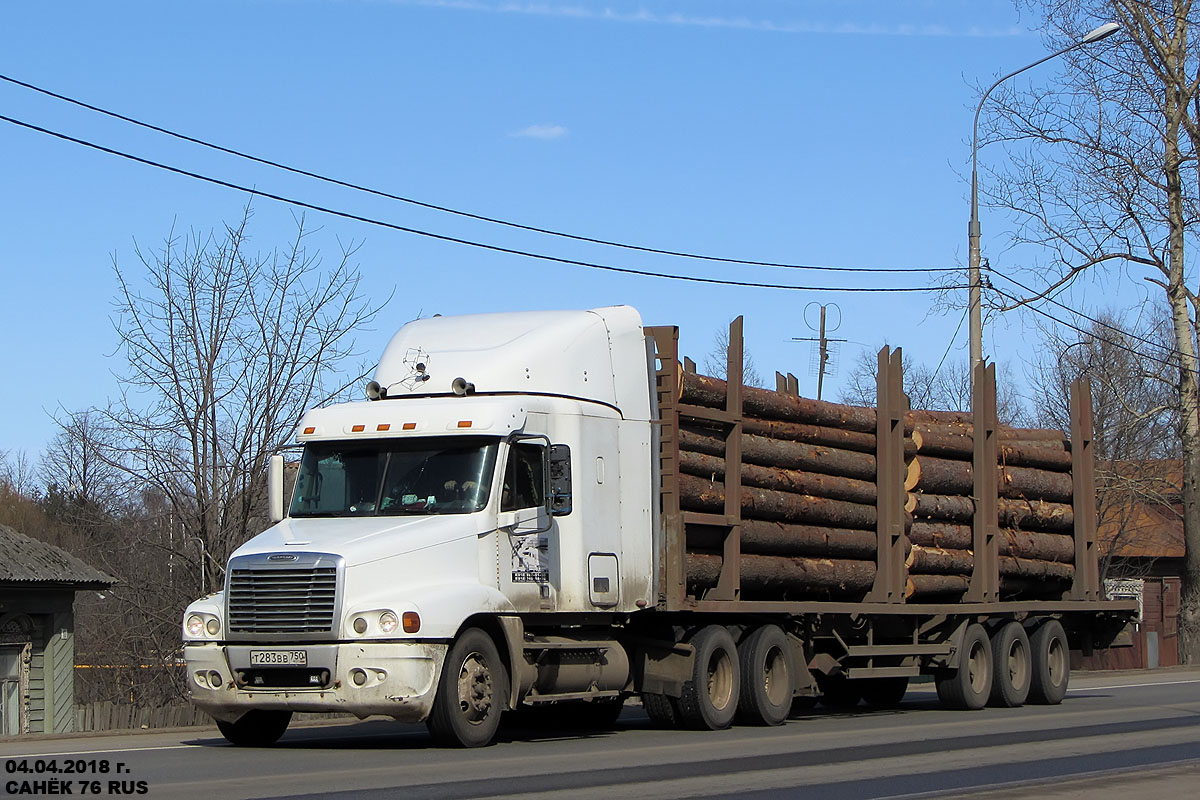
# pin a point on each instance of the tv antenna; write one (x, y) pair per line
(825, 351)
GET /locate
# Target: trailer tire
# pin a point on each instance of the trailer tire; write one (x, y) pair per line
(662, 710)
(1050, 656)
(471, 693)
(766, 666)
(1011, 666)
(840, 693)
(258, 728)
(884, 692)
(968, 687)
(710, 698)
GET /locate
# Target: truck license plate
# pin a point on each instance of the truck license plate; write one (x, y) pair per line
(281, 658)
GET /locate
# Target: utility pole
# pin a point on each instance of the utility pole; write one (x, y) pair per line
(823, 342)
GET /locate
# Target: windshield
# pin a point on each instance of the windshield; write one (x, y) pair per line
(387, 477)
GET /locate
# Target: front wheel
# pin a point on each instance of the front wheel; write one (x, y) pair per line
(256, 728)
(471, 694)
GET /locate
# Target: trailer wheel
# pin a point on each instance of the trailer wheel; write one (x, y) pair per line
(1011, 669)
(840, 693)
(884, 692)
(766, 666)
(257, 728)
(471, 694)
(1051, 664)
(662, 710)
(710, 698)
(969, 686)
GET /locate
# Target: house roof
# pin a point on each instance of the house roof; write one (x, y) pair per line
(1149, 523)
(27, 561)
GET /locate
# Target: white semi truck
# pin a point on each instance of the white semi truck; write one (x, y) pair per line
(499, 526)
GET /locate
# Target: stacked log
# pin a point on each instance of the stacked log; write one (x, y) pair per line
(809, 493)
(1034, 510)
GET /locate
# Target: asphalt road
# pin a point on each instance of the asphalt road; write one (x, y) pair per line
(1127, 734)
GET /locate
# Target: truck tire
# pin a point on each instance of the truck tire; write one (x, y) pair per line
(884, 692)
(710, 698)
(256, 728)
(839, 693)
(1050, 656)
(662, 710)
(1011, 666)
(968, 687)
(766, 666)
(471, 693)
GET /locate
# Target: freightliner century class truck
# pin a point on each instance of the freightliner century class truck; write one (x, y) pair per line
(535, 511)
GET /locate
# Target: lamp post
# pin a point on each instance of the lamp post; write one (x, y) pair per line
(973, 278)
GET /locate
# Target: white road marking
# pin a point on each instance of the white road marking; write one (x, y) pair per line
(65, 753)
(1130, 685)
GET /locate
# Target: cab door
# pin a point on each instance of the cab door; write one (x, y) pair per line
(529, 572)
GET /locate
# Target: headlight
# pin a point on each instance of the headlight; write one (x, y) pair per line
(195, 626)
(388, 622)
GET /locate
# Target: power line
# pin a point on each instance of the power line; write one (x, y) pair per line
(1079, 313)
(457, 212)
(1091, 334)
(951, 344)
(454, 239)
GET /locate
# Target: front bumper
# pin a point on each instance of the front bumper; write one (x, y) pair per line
(395, 679)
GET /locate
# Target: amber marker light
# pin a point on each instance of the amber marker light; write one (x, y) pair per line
(357, 428)
(309, 431)
(411, 621)
(409, 426)
(383, 427)
(464, 423)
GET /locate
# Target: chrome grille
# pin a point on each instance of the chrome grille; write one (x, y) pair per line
(294, 598)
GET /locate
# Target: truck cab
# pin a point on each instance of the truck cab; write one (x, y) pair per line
(499, 474)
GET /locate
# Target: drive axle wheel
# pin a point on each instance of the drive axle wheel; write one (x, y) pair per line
(471, 693)
(1051, 663)
(1011, 670)
(710, 698)
(766, 665)
(256, 728)
(969, 686)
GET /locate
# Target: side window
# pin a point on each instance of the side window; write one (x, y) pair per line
(524, 478)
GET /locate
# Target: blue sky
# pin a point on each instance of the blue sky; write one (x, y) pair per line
(832, 132)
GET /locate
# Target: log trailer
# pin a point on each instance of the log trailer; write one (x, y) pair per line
(552, 512)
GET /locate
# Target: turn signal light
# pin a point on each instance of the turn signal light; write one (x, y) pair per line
(411, 621)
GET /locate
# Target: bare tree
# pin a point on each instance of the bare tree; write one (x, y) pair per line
(1135, 414)
(946, 388)
(225, 350)
(716, 361)
(1100, 174)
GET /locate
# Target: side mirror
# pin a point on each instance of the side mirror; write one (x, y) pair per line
(275, 487)
(558, 499)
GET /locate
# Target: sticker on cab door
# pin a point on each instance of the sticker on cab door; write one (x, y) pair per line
(529, 560)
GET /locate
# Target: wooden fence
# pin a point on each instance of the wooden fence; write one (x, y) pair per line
(107, 716)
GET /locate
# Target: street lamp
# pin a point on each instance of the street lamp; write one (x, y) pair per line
(974, 299)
